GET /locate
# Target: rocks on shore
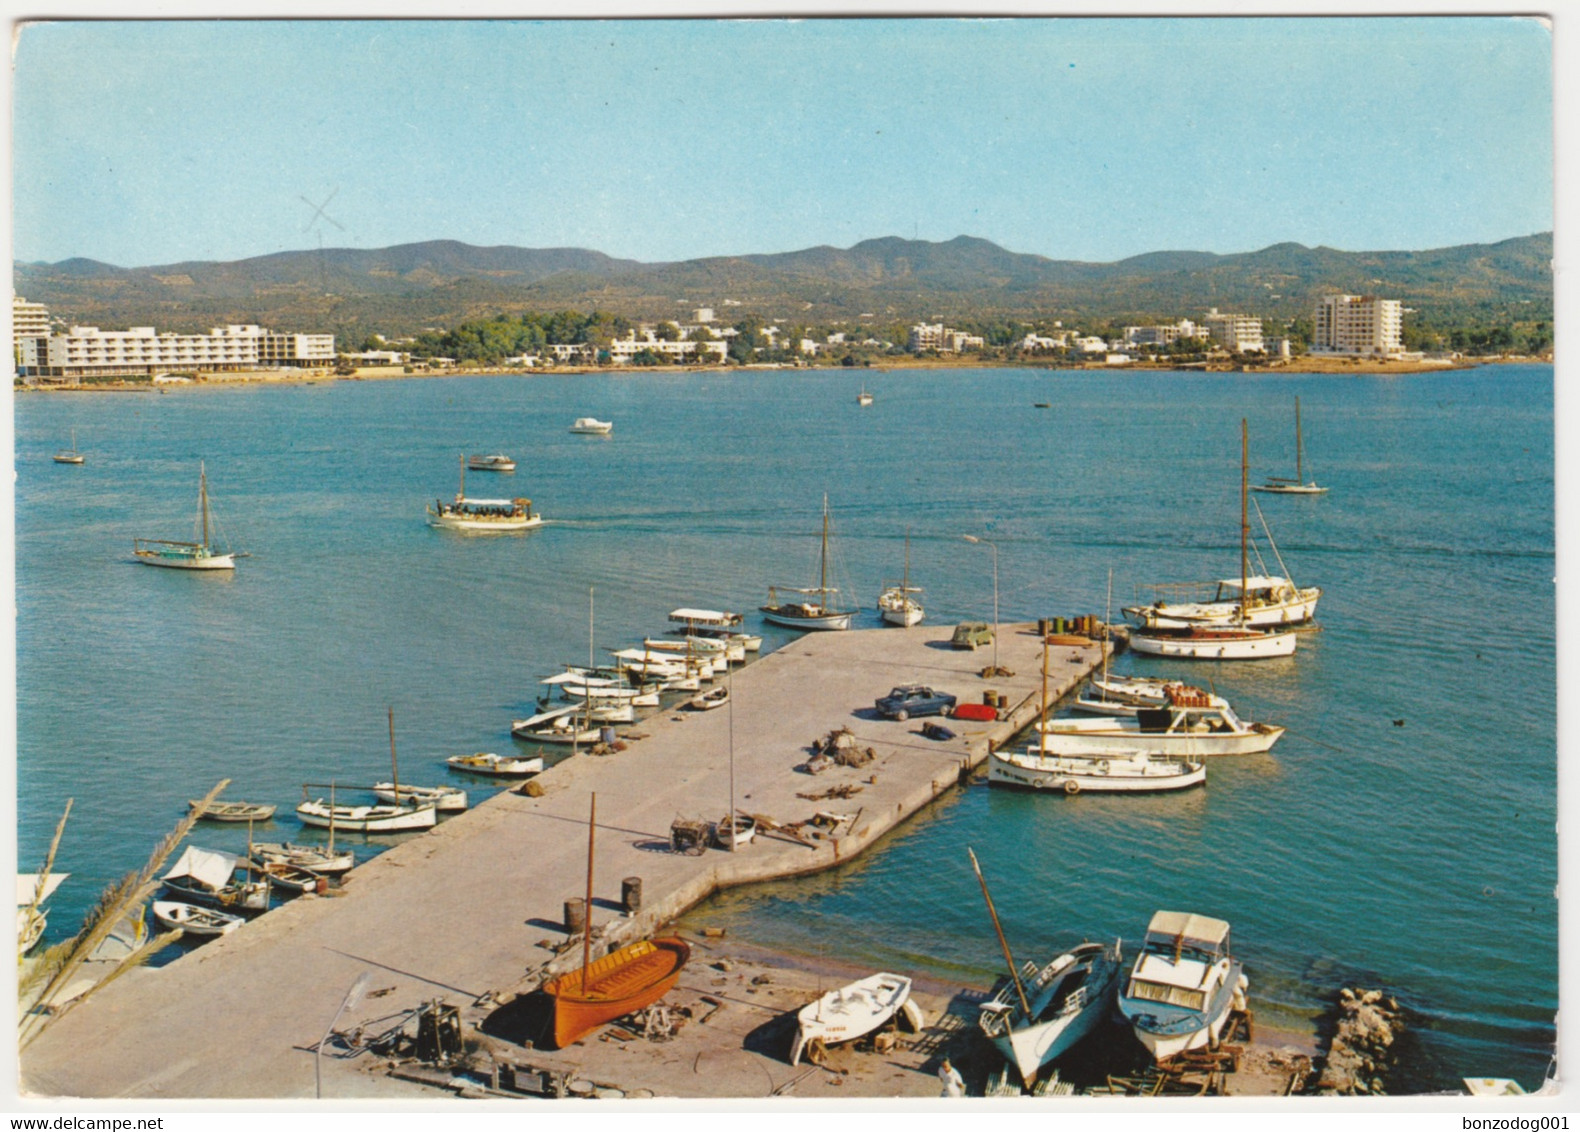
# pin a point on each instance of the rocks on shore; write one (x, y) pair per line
(1362, 1050)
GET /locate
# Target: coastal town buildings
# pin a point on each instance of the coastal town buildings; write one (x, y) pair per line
(1237, 333)
(87, 351)
(1357, 324)
(944, 339)
(1164, 335)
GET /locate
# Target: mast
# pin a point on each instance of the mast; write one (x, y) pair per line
(394, 768)
(592, 826)
(905, 583)
(729, 686)
(1245, 521)
(1043, 717)
(822, 577)
(460, 495)
(1300, 476)
(1025, 1008)
(1108, 607)
(202, 498)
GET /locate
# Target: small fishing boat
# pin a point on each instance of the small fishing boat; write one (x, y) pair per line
(70, 455)
(808, 614)
(291, 878)
(895, 604)
(592, 426)
(1062, 1004)
(208, 877)
(465, 514)
(1187, 729)
(1229, 642)
(1183, 985)
(851, 1011)
(325, 860)
(707, 701)
(1283, 485)
(382, 818)
(496, 765)
(564, 726)
(199, 554)
(232, 811)
(1122, 772)
(730, 832)
(445, 799)
(613, 688)
(715, 623)
(193, 920)
(498, 462)
(1125, 695)
(710, 647)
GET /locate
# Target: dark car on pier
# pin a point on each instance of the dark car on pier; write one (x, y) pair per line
(915, 699)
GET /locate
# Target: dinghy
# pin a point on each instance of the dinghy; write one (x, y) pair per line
(850, 1012)
(195, 921)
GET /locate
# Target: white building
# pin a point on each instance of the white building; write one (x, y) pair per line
(1033, 343)
(944, 339)
(1357, 324)
(1163, 335)
(622, 350)
(1089, 344)
(1237, 333)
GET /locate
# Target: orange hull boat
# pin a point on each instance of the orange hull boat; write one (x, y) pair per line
(637, 975)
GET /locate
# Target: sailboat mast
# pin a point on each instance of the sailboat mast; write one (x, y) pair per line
(822, 577)
(1245, 520)
(460, 495)
(394, 767)
(592, 826)
(1108, 608)
(1025, 1008)
(906, 583)
(1300, 476)
(203, 500)
(1043, 717)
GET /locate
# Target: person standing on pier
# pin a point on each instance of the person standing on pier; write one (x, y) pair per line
(954, 1085)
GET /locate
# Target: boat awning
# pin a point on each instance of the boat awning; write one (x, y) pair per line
(705, 616)
(468, 501)
(1203, 931)
(27, 885)
(1257, 582)
(210, 866)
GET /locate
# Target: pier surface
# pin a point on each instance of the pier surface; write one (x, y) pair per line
(472, 911)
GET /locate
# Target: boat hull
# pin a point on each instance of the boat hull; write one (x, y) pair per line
(187, 562)
(193, 920)
(366, 819)
(464, 523)
(1167, 1034)
(446, 801)
(495, 767)
(1290, 489)
(1091, 776)
(1210, 646)
(1181, 744)
(902, 616)
(848, 1013)
(623, 981)
(826, 621)
(1068, 999)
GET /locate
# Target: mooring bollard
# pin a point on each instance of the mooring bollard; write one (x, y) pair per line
(575, 916)
(631, 893)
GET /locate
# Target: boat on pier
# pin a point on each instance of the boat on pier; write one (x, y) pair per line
(851, 1012)
(1184, 984)
(1063, 1003)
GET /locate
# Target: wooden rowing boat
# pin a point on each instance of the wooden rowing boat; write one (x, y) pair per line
(232, 811)
(623, 981)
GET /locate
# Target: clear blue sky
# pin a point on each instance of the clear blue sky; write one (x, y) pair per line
(152, 143)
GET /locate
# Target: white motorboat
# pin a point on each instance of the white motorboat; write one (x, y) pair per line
(851, 1011)
(485, 762)
(208, 877)
(1125, 695)
(382, 818)
(1183, 985)
(592, 426)
(445, 799)
(809, 614)
(193, 920)
(1229, 642)
(1299, 485)
(198, 554)
(498, 462)
(584, 684)
(1181, 730)
(895, 603)
(1121, 772)
(710, 647)
(1064, 1002)
(717, 624)
(468, 514)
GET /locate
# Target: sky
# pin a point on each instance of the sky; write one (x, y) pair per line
(145, 143)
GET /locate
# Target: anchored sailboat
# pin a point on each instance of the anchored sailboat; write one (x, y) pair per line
(896, 604)
(197, 555)
(809, 614)
(1283, 485)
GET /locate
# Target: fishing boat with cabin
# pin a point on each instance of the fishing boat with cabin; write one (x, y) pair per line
(482, 515)
(1184, 984)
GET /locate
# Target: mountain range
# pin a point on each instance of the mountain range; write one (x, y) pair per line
(400, 290)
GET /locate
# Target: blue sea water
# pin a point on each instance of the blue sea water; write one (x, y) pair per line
(1418, 855)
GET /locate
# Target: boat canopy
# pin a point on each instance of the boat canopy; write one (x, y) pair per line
(1201, 931)
(27, 885)
(1256, 582)
(210, 866)
(706, 617)
(469, 501)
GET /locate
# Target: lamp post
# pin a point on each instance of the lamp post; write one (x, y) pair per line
(353, 996)
(994, 547)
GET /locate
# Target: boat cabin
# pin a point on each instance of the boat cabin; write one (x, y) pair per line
(1259, 590)
(1177, 958)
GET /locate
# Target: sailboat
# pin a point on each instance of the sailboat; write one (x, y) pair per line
(864, 398)
(896, 604)
(1282, 485)
(197, 555)
(70, 455)
(1217, 640)
(809, 614)
(636, 975)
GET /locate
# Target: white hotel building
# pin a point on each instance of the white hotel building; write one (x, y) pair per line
(1237, 333)
(1357, 324)
(87, 351)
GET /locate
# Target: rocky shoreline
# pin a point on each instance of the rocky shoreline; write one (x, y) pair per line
(1361, 1054)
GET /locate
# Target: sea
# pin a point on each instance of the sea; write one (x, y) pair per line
(1403, 835)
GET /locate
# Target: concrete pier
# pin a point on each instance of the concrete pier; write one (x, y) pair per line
(472, 912)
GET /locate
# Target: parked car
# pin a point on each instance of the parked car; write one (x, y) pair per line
(970, 634)
(915, 699)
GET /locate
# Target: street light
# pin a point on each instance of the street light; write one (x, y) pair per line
(994, 547)
(353, 996)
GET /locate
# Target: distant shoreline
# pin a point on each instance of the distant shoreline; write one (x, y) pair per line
(1294, 367)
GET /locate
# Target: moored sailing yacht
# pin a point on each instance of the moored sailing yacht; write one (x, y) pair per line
(896, 604)
(809, 614)
(197, 555)
(1215, 639)
(70, 455)
(1283, 485)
